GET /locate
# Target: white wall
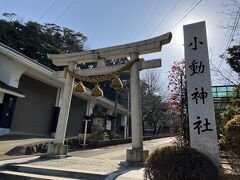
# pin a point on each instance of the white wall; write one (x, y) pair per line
(10, 71)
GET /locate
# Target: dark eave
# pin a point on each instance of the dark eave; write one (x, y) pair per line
(10, 90)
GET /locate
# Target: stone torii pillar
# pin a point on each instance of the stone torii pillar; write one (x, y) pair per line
(58, 149)
(132, 50)
(136, 153)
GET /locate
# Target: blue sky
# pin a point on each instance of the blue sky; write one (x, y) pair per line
(113, 22)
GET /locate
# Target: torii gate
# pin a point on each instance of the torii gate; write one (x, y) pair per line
(132, 50)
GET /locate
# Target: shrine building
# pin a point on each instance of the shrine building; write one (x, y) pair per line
(30, 99)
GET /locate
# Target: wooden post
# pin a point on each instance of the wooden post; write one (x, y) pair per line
(85, 132)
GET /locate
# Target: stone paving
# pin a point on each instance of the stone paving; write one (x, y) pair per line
(112, 168)
(103, 161)
(94, 163)
(80, 164)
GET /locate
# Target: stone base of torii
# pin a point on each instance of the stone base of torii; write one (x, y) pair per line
(132, 50)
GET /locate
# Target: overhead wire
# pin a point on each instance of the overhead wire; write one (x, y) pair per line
(235, 25)
(45, 12)
(188, 11)
(63, 12)
(226, 37)
(148, 18)
(221, 73)
(162, 20)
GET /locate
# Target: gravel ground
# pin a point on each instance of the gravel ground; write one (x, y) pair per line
(77, 163)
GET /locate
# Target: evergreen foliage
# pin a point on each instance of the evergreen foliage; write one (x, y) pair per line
(37, 40)
(232, 133)
(234, 58)
(179, 163)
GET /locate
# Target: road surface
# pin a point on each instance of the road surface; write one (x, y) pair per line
(118, 152)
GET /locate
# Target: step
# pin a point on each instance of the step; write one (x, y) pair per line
(59, 172)
(13, 175)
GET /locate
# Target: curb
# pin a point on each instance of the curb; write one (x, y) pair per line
(57, 172)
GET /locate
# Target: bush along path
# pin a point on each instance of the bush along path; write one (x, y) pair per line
(179, 163)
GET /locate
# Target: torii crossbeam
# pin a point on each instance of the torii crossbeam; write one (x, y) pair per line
(132, 50)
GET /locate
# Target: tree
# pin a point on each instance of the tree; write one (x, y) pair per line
(234, 58)
(177, 84)
(231, 10)
(36, 40)
(178, 101)
(233, 106)
(153, 105)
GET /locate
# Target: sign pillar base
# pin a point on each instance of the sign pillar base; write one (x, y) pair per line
(57, 151)
(137, 155)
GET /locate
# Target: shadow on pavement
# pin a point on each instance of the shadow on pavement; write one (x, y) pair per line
(124, 167)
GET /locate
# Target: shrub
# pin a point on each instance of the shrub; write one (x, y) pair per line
(73, 142)
(100, 135)
(232, 132)
(179, 163)
(230, 112)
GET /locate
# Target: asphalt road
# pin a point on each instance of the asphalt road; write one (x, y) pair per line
(118, 152)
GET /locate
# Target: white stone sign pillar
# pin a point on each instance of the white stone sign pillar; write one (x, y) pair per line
(202, 124)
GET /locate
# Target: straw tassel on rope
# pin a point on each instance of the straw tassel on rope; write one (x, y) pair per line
(117, 83)
(80, 87)
(97, 91)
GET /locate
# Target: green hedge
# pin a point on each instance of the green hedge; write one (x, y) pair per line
(179, 163)
(232, 133)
